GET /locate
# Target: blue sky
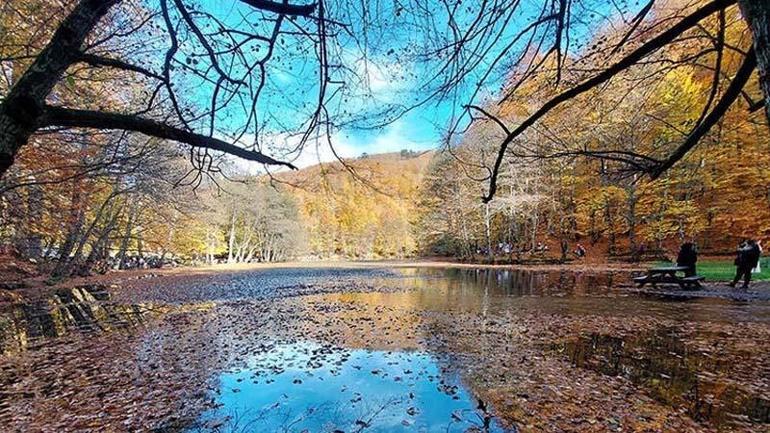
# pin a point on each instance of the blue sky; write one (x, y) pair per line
(384, 71)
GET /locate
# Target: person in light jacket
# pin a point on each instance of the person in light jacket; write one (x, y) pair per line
(745, 260)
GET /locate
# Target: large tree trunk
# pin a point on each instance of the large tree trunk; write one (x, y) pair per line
(74, 223)
(608, 216)
(631, 218)
(33, 242)
(757, 15)
(62, 264)
(20, 111)
(65, 269)
(488, 231)
(122, 253)
(99, 247)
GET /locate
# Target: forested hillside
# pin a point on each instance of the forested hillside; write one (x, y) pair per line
(366, 208)
(362, 208)
(582, 173)
(82, 197)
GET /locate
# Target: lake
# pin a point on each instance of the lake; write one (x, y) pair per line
(285, 390)
(381, 349)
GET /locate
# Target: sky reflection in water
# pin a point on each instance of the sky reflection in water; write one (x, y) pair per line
(313, 388)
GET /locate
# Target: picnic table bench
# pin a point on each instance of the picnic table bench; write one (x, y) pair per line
(668, 275)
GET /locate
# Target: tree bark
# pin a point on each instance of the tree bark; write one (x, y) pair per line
(608, 215)
(20, 111)
(126, 239)
(631, 218)
(99, 246)
(33, 242)
(757, 15)
(81, 243)
(488, 231)
(74, 221)
(231, 241)
(62, 264)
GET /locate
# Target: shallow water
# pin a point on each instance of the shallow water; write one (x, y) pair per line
(546, 350)
(492, 291)
(83, 308)
(663, 365)
(305, 387)
(314, 388)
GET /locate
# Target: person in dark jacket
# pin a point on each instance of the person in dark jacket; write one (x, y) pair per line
(746, 259)
(688, 256)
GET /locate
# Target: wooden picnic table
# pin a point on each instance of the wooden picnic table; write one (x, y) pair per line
(667, 275)
(666, 270)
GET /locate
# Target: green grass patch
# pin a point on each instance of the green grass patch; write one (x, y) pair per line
(724, 270)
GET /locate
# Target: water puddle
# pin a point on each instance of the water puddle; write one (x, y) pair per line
(663, 365)
(312, 388)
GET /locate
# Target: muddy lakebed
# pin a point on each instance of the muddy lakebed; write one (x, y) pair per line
(384, 350)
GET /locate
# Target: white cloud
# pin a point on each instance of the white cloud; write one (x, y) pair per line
(392, 138)
(316, 152)
(383, 77)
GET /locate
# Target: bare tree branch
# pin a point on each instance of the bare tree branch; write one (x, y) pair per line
(491, 117)
(626, 62)
(732, 93)
(95, 60)
(66, 117)
(282, 8)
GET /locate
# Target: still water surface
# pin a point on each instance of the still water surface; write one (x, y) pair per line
(313, 388)
(567, 292)
(306, 387)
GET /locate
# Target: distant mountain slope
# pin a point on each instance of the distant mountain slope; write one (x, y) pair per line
(364, 208)
(377, 170)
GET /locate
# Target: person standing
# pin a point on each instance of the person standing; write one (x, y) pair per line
(758, 268)
(580, 251)
(746, 259)
(687, 257)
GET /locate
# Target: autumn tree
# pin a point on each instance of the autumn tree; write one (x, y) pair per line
(624, 126)
(258, 222)
(570, 44)
(199, 69)
(368, 212)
